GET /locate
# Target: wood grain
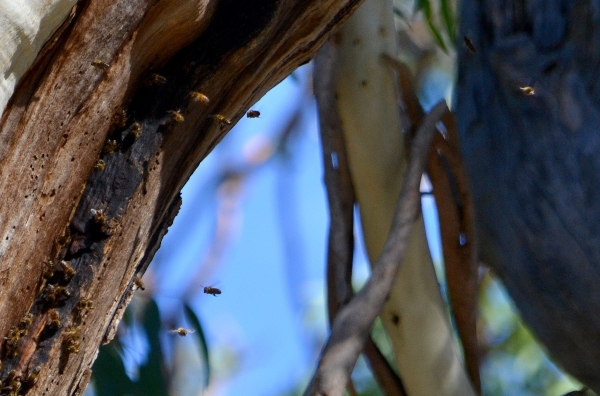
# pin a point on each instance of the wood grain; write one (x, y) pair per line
(58, 124)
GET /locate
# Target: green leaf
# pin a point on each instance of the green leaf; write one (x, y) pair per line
(436, 35)
(191, 316)
(449, 19)
(109, 374)
(151, 381)
(425, 6)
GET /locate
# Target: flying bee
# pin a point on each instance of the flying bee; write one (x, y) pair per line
(212, 290)
(137, 281)
(25, 322)
(157, 79)
(99, 216)
(527, 90)
(176, 115)
(182, 332)
(100, 165)
(222, 119)
(136, 130)
(199, 97)
(100, 64)
(253, 114)
(110, 146)
(469, 44)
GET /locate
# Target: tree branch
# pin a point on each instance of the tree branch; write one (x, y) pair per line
(351, 326)
(340, 194)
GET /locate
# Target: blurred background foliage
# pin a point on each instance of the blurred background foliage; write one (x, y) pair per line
(253, 223)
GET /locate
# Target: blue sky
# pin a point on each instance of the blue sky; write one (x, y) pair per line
(271, 272)
(271, 314)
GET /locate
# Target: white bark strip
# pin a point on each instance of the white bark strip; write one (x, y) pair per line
(414, 315)
(25, 25)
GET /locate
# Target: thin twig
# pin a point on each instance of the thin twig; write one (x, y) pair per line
(340, 191)
(387, 379)
(352, 324)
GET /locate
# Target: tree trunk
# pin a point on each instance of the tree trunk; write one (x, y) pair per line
(102, 131)
(534, 164)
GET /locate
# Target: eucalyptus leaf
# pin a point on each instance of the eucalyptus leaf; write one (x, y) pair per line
(191, 316)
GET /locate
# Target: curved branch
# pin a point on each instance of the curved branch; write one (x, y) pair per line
(341, 197)
(352, 324)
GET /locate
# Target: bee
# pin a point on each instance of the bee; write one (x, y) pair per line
(68, 271)
(13, 384)
(64, 238)
(100, 165)
(137, 281)
(136, 130)
(99, 216)
(253, 114)
(469, 44)
(222, 119)
(182, 332)
(52, 294)
(110, 146)
(25, 323)
(84, 306)
(212, 290)
(121, 118)
(48, 271)
(527, 90)
(48, 294)
(199, 97)
(13, 336)
(157, 79)
(54, 322)
(12, 340)
(72, 340)
(62, 294)
(100, 64)
(31, 379)
(176, 115)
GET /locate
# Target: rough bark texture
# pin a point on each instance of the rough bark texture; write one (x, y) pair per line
(57, 204)
(534, 163)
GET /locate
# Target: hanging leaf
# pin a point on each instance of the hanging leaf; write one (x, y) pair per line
(191, 316)
(151, 381)
(425, 6)
(109, 376)
(449, 20)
